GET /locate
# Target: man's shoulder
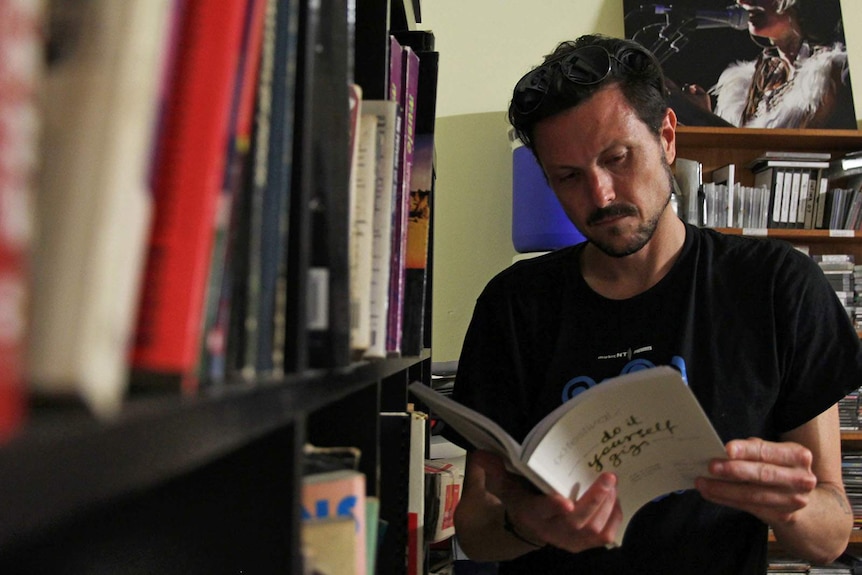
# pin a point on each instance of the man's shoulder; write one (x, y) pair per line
(531, 275)
(741, 246)
(730, 251)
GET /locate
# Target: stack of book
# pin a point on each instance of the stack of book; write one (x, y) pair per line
(851, 469)
(857, 287)
(848, 411)
(802, 190)
(796, 185)
(839, 270)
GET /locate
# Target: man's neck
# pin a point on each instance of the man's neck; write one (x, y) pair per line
(626, 277)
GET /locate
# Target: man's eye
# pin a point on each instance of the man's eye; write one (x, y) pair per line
(617, 159)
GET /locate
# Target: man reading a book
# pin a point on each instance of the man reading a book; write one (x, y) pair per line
(753, 326)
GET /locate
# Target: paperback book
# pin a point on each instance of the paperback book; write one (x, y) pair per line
(647, 427)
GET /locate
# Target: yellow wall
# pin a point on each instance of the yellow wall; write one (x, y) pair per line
(485, 46)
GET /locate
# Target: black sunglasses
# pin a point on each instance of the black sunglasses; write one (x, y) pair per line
(585, 66)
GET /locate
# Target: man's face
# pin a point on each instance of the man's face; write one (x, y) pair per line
(610, 172)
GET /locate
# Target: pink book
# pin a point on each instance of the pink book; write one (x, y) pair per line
(409, 86)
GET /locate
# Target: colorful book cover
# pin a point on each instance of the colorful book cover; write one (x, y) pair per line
(419, 223)
(339, 493)
(407, 99)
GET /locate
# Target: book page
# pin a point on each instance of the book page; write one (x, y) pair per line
(646, 427)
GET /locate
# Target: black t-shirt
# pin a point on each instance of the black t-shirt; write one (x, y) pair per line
(753, 326)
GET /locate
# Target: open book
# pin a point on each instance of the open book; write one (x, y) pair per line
(646, 427)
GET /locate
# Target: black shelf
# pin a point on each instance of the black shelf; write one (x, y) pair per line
(65, 461)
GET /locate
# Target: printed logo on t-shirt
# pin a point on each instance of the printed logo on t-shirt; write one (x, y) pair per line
(582, 383)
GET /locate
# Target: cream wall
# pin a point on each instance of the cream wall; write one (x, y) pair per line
(485, 46)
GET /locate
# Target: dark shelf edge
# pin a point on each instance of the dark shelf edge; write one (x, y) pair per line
(63, 463)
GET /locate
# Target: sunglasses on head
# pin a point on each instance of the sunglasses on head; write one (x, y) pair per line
(585, 66)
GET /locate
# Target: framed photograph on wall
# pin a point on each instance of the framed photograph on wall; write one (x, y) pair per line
(750, 63)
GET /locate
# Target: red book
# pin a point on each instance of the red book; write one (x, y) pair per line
(188, 176)
(20, 25)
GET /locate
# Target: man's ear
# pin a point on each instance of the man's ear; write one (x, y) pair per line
(668, 135)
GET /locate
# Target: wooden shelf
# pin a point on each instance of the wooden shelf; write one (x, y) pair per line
(855, 537)
(779, 139)
(717, 147)
(797, 235)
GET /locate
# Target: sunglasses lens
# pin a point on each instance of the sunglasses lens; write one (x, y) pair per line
(530, 90)
(588, 65)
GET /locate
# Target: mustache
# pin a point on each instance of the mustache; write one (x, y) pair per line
(612, 211)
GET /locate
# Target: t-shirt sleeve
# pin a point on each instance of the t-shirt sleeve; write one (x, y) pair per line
(821, 354)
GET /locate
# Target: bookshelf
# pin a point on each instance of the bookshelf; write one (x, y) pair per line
(716, 147)
(206, 481)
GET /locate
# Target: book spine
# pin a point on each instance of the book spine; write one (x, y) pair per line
(416, 547)
(20, 34)
(775, 181)
(219, 292)
(786, 198)
(362, 231)
(328, 287)
(409, 92)
(419, 217)
(822, 197)
(270, 189)
(386, 112)
(100, 103)
(188, 178)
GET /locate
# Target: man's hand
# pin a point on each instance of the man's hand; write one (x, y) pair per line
(794, 486)
(590, 521)
(772, 481)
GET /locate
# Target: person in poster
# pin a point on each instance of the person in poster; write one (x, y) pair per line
(793, 74)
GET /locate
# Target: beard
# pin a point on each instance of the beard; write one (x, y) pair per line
(642, 234)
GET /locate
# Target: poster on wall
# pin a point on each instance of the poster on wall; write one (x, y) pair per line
(752, 63)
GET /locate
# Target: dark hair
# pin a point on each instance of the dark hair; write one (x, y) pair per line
(632, 67)
(821, 21)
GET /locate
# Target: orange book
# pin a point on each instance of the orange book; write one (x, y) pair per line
(188, 175)
(339, 493)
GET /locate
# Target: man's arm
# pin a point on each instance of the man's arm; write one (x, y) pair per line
(794, 486)
(491, 495)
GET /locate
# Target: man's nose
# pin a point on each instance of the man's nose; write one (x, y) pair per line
(601, 188)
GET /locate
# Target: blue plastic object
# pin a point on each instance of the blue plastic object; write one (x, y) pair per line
(539, 223)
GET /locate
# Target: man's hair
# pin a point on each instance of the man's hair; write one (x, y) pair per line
(637, 72)
(821, 21)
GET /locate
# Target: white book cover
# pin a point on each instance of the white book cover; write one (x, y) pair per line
(786, 192)
(726, 175)
(94, 205)
(387, 115)
(362, 232)
(795, 189)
